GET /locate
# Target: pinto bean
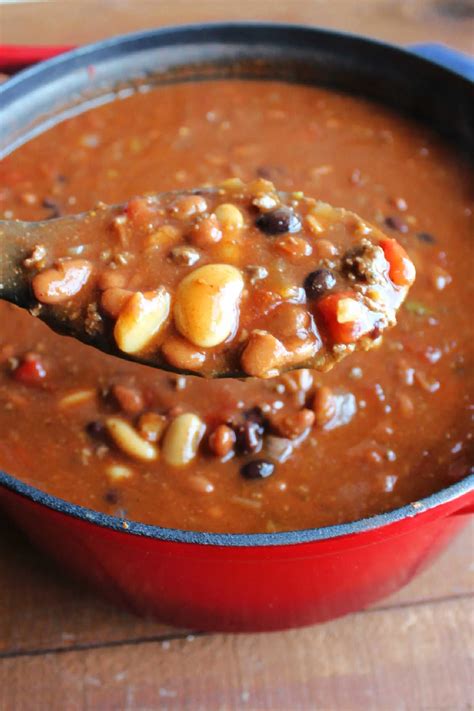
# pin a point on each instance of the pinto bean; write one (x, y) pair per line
(58, 284)
(263, 355)
(189, 205)
(181, 354)
(206, 232)
(113, 300)
(129, 399)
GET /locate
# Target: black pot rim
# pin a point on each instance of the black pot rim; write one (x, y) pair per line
(239, 540)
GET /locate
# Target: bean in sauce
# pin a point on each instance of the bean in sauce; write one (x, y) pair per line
(391, 425)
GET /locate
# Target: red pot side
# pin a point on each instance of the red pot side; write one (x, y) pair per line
(241, 589)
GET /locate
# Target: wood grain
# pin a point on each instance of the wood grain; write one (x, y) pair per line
(399, 21)
(386, 659)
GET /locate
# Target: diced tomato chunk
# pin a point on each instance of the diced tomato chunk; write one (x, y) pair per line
(348, 332)
(402, 270)
(30, 371)
(141, 212)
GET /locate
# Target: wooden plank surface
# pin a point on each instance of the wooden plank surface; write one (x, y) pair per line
(63, 649)
(404, 659)
(399, 21)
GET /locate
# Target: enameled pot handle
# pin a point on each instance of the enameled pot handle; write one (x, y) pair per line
(447, 57)
(14, 57)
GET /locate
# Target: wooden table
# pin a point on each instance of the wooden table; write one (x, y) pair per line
(61, 649)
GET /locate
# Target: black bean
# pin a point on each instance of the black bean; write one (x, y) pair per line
(426, 237)
(111, 496)
(257, 469)
(52, 205)
(279, 221)
(319, 282)
(95, 428)
(255, 414)
(396, 223)
(48, 202)
(249, 437)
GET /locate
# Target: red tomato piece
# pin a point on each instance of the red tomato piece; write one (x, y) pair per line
(348, 332)
(30, 371)
(402, 270)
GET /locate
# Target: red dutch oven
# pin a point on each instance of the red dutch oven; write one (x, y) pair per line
(239, 582)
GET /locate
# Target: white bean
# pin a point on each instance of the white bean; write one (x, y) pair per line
(207, 300)
(117, 472)
(141, 319)
(77, 397)
(182, 438)
(129, 441)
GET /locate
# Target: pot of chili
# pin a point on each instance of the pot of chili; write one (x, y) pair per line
(249, 573)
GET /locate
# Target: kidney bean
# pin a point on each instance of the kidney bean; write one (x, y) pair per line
(129, 399)
(222, 440)
(249, 437)
(30, 371)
